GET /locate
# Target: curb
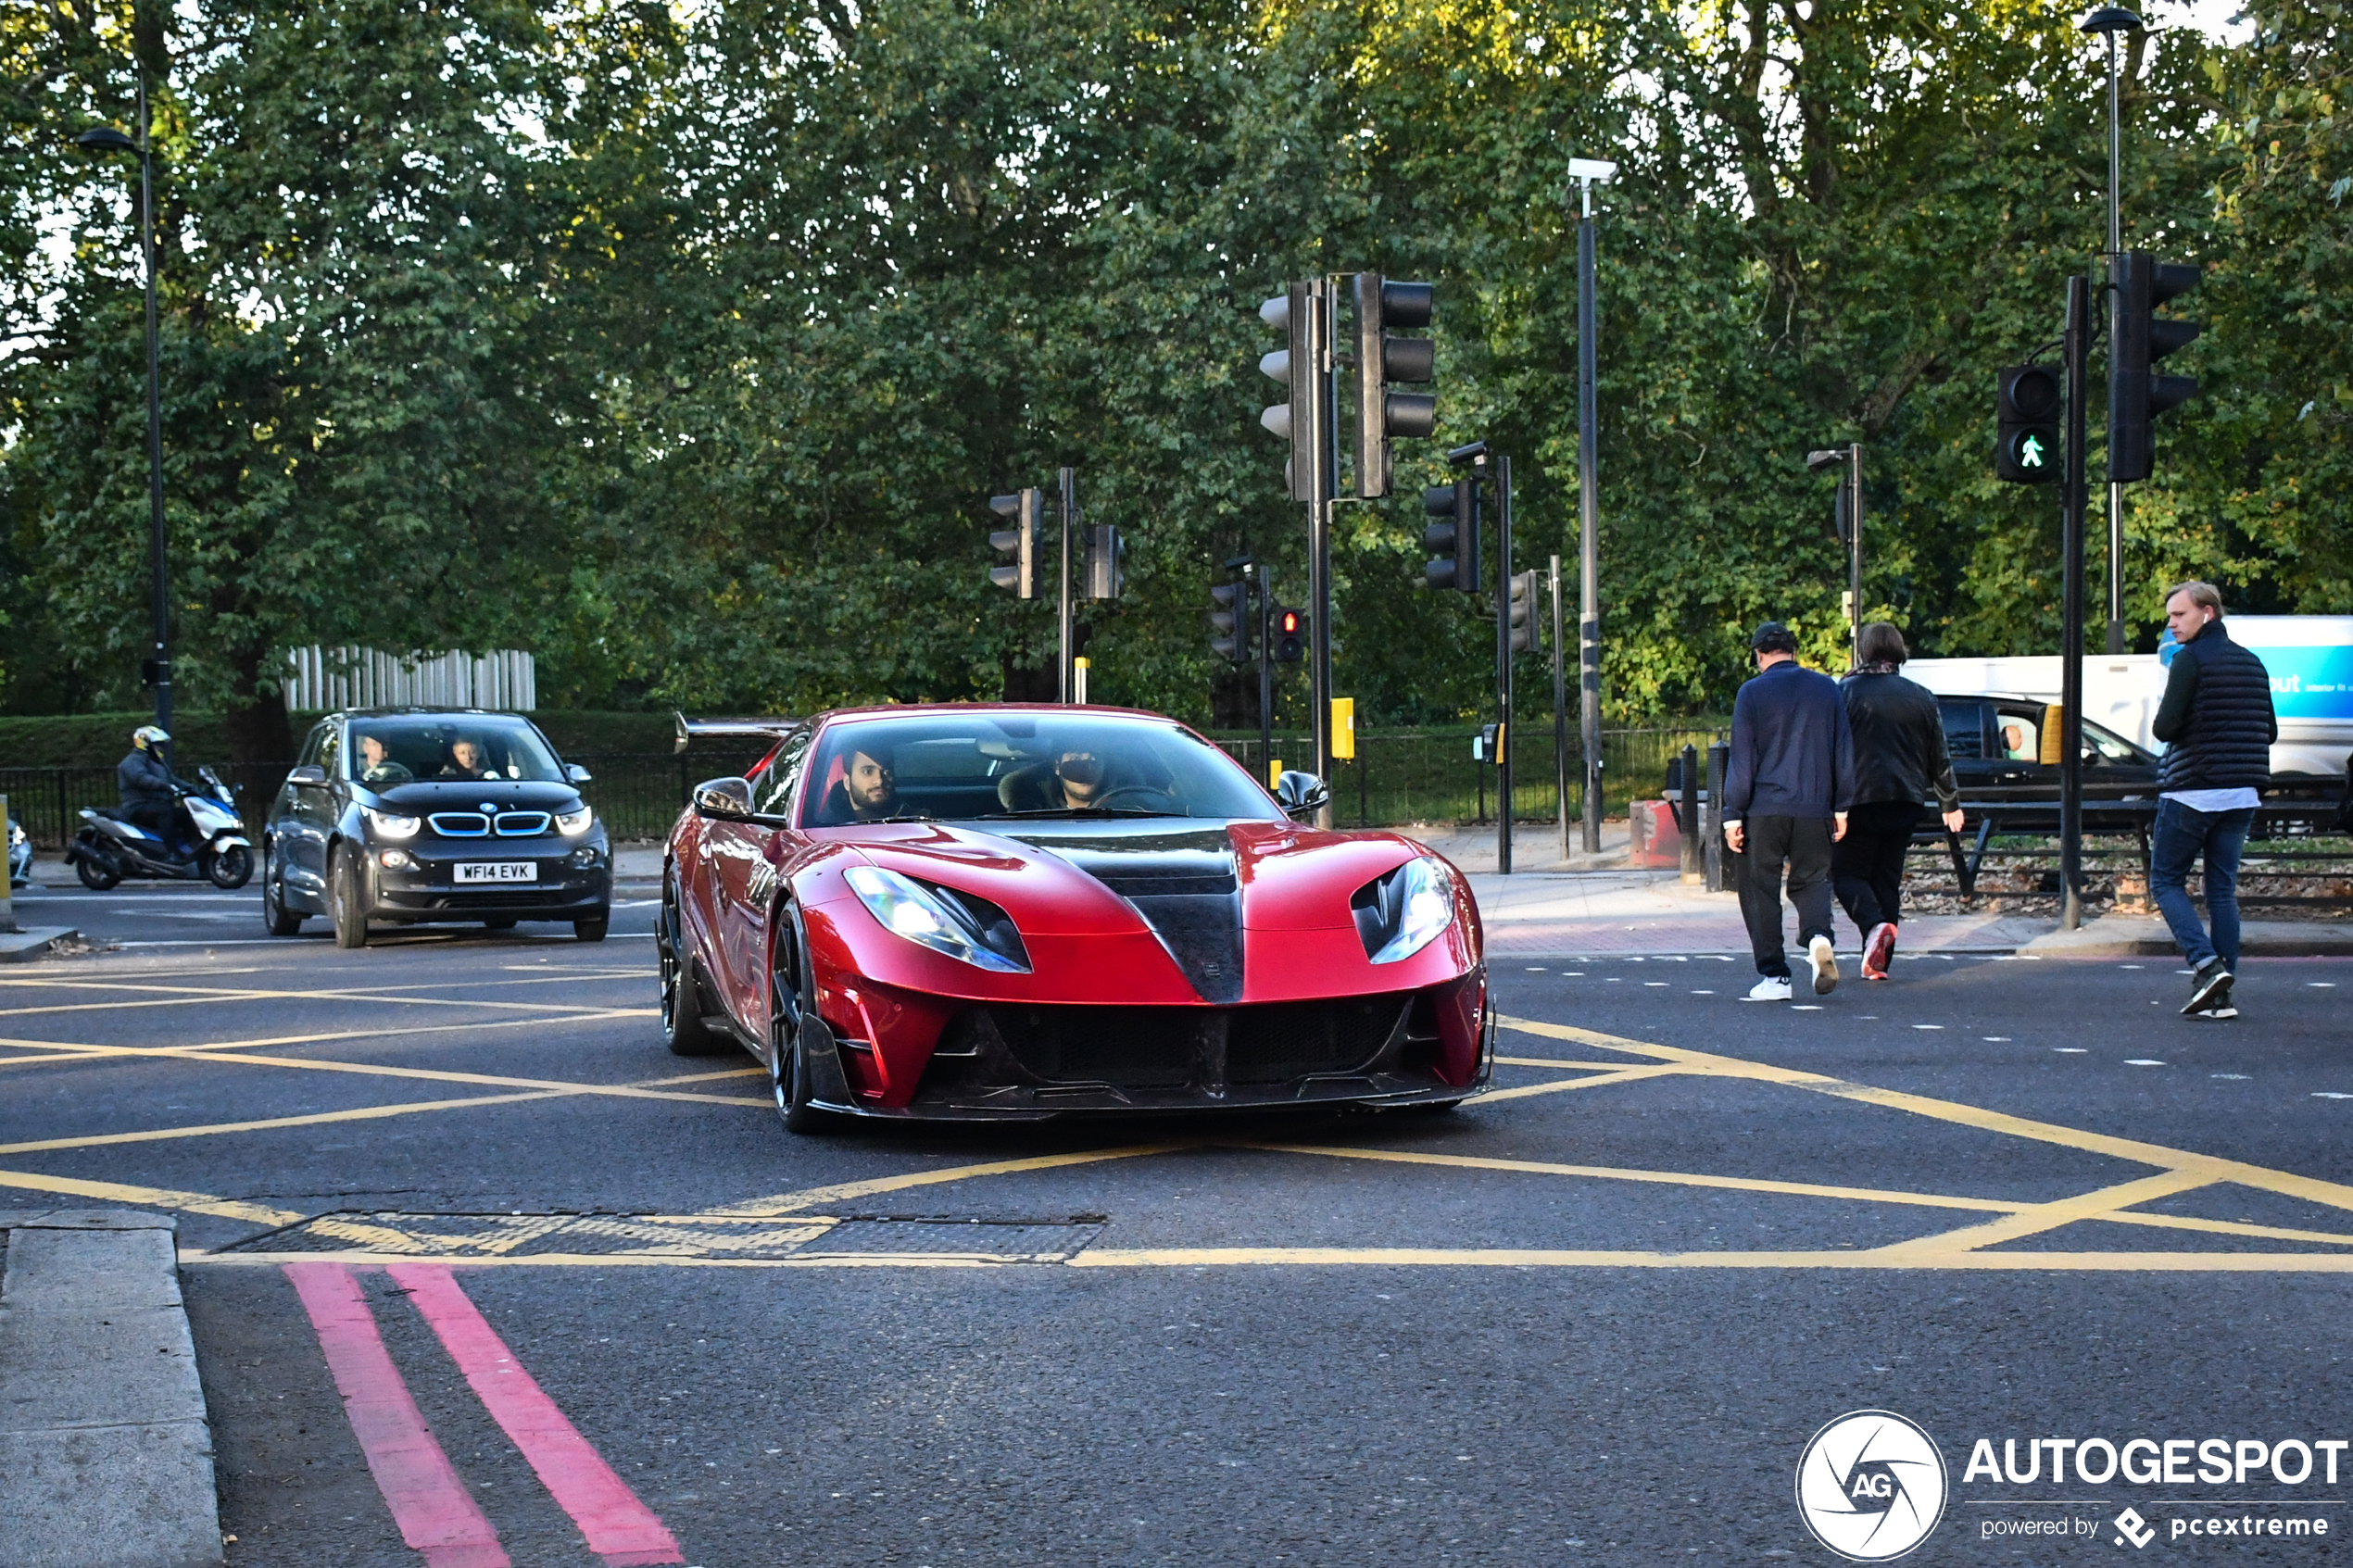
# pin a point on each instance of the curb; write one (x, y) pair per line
(106, 1454)
(2129, 938)
(33, 942)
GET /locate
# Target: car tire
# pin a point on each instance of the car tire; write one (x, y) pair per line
(95, 877)
(682, 1024)
(590, 930)
(230, 868)
(276, 919)
(347, 899)
(788, 1081)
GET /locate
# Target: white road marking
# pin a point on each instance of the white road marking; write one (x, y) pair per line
(2069, 1050)
(2322, 985)
(2142, 1061)
(2323, 1094)
(2232, 1077)
(1703, 993)
(1928, 1026)
(1997, 1039)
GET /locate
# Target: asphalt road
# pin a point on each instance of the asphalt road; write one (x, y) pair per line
(1592, 1318)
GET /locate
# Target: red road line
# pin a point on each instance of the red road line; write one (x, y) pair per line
(436, 1514)
(619, 1528)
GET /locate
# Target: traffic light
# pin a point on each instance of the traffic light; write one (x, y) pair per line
(2137, 340)
(1021, 541)
(1229, 617)
(1455, 543)
(2026, 442)
(1523, 612)
(1381, 359)
(1299, 315)
(1290, 635)
(1106, 562)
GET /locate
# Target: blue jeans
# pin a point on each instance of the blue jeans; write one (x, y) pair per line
(2182, 836)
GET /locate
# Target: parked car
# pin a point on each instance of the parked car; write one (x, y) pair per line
(999, 911)
(408, 815)
(1997, 747)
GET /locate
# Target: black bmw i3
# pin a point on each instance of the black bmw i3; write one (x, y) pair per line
(410, 815)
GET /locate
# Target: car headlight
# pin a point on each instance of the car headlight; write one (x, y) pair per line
(392, 825)
(572, 824)
(968, 929)
(1401, 913)
(16, 834)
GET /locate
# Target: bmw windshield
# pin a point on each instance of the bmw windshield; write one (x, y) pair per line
(983, 767)
(449, 747)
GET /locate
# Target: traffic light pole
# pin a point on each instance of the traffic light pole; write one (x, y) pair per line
(1504, 665)
(1589, 602)
(2075, 348)
(1560, 710)
(1321, 411)
(1265, 670)
(2110, 20)
(1854, 551)
(1068, 481)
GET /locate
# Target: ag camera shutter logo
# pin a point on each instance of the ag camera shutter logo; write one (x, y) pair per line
(1870, 1486)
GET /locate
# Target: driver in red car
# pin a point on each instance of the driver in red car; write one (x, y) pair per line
(867, 790)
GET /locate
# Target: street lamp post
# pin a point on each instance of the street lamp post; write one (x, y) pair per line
(1586, 171)
(2110, 20)
(1849, 518)
(106, 139)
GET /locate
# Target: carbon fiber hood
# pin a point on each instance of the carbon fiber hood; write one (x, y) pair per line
(1181, 879)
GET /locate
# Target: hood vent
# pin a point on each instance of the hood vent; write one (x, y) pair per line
(1182, 883)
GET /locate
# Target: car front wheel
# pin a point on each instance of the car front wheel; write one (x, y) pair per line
(347, 899)
(276, 919)
(682, 1024)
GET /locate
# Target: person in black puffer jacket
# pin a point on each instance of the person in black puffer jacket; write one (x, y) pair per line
(2218, 724)
(1899, 756)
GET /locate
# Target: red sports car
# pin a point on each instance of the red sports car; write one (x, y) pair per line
(996, 910)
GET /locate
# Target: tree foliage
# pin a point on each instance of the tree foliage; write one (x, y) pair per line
(683, 344)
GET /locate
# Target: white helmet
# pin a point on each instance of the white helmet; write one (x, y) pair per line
(147, 736)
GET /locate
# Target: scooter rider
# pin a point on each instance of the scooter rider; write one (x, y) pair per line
(150, 789)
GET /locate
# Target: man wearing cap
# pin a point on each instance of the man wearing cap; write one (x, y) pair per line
(1786, 793)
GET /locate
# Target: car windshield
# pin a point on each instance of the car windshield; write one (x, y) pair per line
(983, 766)
(383, 752)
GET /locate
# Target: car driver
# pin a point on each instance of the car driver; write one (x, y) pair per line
(1079, 776)
(376, 766)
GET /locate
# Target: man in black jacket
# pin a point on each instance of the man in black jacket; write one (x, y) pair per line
(149, 790)
(2217, 725)
(1899, 756)
(1786, 791)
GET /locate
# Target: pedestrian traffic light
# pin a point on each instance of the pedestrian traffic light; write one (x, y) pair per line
(2026, 441)
(1290, 635)
(1021, 541)
(1454, 544)
(2137, 340)
(1106, 562)
(1229, 617)
(1381, 359)
(1298, 315)
(1523, 612)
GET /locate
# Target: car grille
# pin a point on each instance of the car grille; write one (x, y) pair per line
(1169, 1048)
(522, 825)
(461, 824)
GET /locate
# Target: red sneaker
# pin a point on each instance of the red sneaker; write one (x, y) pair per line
(1879, 950)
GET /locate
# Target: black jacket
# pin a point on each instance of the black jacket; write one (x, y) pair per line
(1899, 740)
(1793, 755)
(143, 777)
(2216, 719)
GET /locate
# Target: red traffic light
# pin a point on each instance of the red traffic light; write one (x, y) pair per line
(1291, 623)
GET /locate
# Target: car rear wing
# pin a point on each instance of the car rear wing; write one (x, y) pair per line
(773, 728)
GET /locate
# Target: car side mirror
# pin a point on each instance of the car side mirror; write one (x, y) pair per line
(723, 800)
(309, 776)
(1302, 796)
(576, 773)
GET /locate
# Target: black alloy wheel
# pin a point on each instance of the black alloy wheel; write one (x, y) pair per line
(276, 919)
(347, 897)
(592, 929)
(230, 868)
(682, 1024)
(790, 1078)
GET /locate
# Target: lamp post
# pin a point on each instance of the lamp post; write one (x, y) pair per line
(106, 139)
(1850, 529)
(2110, 20)
(1586, 171)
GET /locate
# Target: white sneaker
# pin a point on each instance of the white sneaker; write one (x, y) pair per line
(1825, 961)
(1771, 988)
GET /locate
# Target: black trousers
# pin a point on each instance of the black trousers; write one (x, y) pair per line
(1802, 846)
(1866, 866)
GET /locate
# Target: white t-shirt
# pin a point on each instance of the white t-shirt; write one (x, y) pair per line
(2210, 800)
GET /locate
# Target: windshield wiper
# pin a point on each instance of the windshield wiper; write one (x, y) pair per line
(902, 817)
(1073, 812)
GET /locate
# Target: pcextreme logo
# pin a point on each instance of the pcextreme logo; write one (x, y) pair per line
(1870, 1486)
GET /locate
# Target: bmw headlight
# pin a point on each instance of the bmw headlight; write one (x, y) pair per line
(16, 835)
(572, 824)
(1401, 913)
(969, 929)
(392, 825)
